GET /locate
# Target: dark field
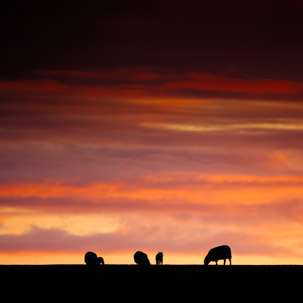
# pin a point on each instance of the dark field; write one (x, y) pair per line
(189, 283)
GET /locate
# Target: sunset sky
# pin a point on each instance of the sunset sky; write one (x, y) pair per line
(169, 126)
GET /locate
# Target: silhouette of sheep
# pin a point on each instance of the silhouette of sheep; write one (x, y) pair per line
(92, 259)
(218, 253)
(141, 258)
(159, 258)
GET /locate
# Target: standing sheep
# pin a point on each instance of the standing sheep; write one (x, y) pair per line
(218, 253)
(92, 259)
(159, 258)
(141, 258)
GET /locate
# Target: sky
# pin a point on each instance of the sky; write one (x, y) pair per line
(171, 126)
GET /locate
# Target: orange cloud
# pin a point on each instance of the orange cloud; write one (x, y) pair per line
(200, 193)
(197, 212)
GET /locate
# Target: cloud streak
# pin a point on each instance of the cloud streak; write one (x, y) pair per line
(144, 82)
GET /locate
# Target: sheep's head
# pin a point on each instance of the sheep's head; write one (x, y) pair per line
(206, 260)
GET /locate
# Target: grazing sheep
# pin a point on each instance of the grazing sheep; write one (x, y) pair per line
(159, 258)
(218, 253)
(92, 259)
(141, 258)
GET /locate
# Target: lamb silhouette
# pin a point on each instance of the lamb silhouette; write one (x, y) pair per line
(92, 259)
(218, 253)
(141, 258)
(159, 258)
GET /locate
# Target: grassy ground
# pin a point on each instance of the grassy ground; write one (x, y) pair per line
(167, 283)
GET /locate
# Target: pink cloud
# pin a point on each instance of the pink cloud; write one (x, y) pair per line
(54, 241)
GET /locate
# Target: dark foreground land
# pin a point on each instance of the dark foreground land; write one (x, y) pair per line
(167, 283)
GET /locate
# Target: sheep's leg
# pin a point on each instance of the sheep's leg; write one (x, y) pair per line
(224, 261)
(229, 261)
